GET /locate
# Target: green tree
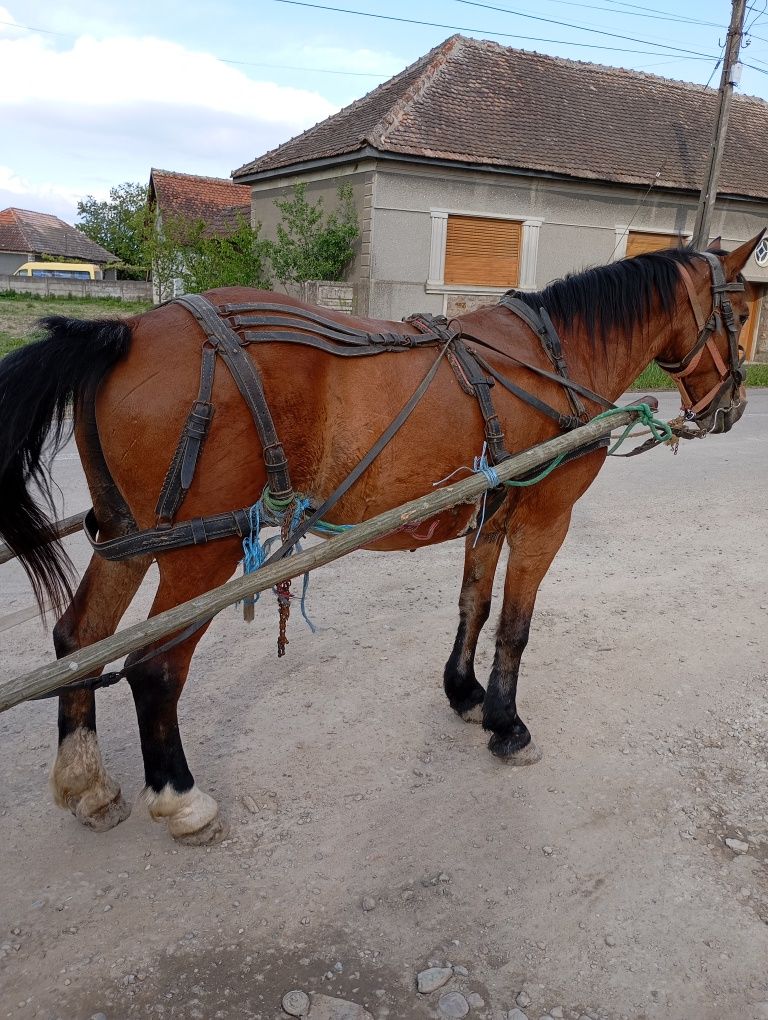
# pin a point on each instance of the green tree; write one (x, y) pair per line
(119, 224)
(236, 259)
(180, 248)
(312, 244)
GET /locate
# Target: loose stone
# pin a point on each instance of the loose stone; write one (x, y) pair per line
(557, 1012)
(475, 1000)
(523, 999)
(610, 940)
(460, 971)
(99, 1016)
(296, 1003)
(369, 903)
(737, 845)
(324, 1007)
(517, 1014)
(430, 980)
(250, 804)
(453, 1005)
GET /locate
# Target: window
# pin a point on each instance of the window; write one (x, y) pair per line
(472, 253)
(640, 242)
(482, 252)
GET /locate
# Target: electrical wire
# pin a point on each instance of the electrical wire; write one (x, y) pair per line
(692, 54)
(566, 24)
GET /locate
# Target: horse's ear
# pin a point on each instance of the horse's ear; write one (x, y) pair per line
(735, 261)
(715, 244)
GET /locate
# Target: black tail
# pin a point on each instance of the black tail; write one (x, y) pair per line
(39, 384)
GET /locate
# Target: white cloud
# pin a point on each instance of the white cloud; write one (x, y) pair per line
(86, 114)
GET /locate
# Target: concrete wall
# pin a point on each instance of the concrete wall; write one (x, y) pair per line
(126, 290)
(11, 260)
(580, 227)
(321, 185)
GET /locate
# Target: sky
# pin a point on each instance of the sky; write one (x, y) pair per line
(93, 95)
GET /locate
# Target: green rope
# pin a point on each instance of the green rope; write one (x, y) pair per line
(660, 430)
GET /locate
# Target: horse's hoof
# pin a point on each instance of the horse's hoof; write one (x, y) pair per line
(214, 832)
(105, 817)
(503, 749)
(474, 714)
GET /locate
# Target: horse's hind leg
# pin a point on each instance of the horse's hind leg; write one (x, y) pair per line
(171, 793)
(78, 779)
(480, 560)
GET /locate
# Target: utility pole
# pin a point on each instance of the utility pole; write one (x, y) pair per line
(730, 76)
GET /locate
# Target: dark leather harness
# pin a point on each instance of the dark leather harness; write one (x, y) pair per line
(229, 329)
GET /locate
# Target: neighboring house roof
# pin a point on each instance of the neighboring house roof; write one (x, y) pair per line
(44, 234)
(214, 200)
(477, 102)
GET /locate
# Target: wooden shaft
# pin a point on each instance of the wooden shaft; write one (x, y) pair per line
(60, 528)
(85, 661)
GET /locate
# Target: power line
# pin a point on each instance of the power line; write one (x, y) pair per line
(655, 10)
(693, 54)
(646, 12)
(565, 24)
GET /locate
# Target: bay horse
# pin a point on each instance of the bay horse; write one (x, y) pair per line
(132, 382)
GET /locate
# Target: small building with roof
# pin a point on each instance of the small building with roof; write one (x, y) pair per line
(481, 167)
(27, 236)
(216, 201)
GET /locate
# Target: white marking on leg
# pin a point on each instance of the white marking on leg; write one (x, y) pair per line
(186, 813)
(78, 778)
(474, 714)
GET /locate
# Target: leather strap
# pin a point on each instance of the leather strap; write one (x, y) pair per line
(394, 426)
(182, 469)
(544, 328)
(248, 380)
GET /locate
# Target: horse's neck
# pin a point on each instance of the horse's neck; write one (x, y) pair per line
(613, 366)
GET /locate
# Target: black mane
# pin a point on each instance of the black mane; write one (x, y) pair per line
(616, 297)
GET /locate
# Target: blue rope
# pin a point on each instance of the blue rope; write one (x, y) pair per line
(255, 552)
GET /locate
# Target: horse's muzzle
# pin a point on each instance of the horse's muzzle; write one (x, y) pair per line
(726, 414)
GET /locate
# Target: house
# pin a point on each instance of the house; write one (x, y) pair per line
(216, 201)
(29, 236)
(187, 198)
(480, 168)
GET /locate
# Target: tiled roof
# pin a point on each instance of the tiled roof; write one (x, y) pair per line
(45, 234)
(474, 101)
(214, 200)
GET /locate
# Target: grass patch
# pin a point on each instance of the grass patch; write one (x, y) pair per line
(19, 313)
(654, 378)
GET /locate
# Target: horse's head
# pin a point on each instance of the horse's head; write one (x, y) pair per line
(703, 356)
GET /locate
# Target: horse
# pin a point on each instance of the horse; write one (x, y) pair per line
(131, 383)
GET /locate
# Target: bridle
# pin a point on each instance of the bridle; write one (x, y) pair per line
(704, 412)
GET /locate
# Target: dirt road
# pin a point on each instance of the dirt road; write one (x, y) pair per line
(598, 881)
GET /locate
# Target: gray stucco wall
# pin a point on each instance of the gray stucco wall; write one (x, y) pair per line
(578, 228)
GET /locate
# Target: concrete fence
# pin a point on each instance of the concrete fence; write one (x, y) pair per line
(326, 293)
(126, 290)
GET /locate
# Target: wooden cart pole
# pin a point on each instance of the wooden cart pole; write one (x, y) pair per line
(60, 530)
(85, 661)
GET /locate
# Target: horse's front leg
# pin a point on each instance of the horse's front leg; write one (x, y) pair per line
(481, 557)
(534, 539)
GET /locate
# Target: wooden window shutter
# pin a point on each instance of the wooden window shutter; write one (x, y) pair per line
(640, 243)
(482, 252)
